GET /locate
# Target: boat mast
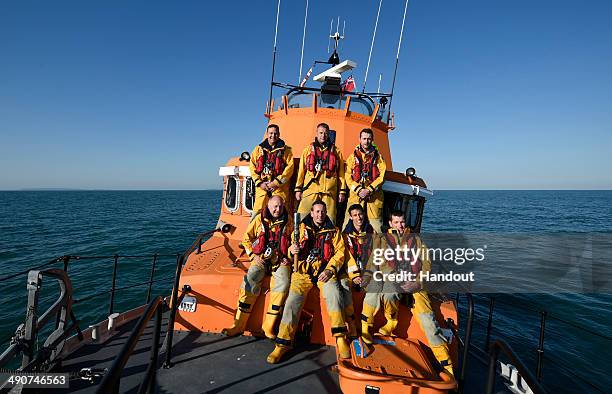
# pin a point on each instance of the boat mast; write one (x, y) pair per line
(399, 45)
(273, 58)
(365, 80)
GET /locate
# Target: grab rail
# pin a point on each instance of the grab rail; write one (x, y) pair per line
(110, 382)
(501, 346)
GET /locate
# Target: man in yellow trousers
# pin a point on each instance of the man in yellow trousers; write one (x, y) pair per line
(365, 174)
(320, 175)
(321, 256)
(266, 242)
(387, 294)
(271, 168)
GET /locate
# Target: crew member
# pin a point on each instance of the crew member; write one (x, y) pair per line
(271, 168)
(365, 174)
(389, 293)
(357, 236)
(320, 175)
(266, 242)
(321, 256)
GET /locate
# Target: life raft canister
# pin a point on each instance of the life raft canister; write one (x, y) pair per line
(365, 172)
(275, 239)
(272, 160)
(322, 160)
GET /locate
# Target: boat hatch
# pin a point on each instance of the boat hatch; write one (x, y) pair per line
(239, 188)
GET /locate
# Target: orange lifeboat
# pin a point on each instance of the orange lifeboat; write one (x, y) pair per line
(214, 273)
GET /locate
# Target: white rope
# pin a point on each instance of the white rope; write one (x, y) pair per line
(365, 80)
(303, 40)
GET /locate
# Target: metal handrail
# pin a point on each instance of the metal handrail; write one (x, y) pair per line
(500, 346)
(110, 382)
(466, 342)
(174, 303)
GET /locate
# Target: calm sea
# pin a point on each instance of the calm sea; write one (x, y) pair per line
(36, 226)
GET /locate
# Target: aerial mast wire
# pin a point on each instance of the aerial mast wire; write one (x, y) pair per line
(331, 24)
(303, 41)
(399, 45)
(379, 79)
(273, 58)
(365, 80)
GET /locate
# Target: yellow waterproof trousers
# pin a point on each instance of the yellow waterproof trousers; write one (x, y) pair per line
(251, 287)
(298, 291)
(306, 204)
(421, 310)
(347, 304)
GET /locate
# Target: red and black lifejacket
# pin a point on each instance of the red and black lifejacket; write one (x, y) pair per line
(322, 158)
(318, 238)
(271, 162)
(272, 234)
(359, 243)
(392, 240)
(365, 172)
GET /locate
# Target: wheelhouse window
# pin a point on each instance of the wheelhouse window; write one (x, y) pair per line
(412, 206)
(232, 193)
(249, 194)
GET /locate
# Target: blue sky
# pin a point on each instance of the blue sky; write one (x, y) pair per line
(157, 95)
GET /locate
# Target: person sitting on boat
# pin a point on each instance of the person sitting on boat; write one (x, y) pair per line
(266, 242)
(320, 175)
(320, 257)
(357, 234)
(389, 293)
(271, 168)
(365, 174)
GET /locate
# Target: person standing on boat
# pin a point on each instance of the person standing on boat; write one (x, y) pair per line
(271, 168)
(266, 242)
(357, 234)
(320, 258)
(365, 174)
(388, 294)
(320, 175)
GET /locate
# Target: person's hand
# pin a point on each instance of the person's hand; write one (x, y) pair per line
(364, 193)
(298, 196)
(294, 249)
(410, 286)
(257, 260)
(285, 261)
(325, 276)
(272, 186)
(341, 197)
(263, 186)
(358, 280)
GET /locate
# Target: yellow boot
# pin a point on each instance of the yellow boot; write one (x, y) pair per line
(388, 328)
(344, 349)
(268, 325)
(365, 333)
(240, 322)
(277, 354)
(441, 354)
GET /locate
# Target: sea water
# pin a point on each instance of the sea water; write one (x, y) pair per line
(36, 226)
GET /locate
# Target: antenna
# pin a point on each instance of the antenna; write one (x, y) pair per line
(343, 27)
(365, 80)
(399, 45)
(303, 40)
(379, 79)
(331, 23)
(273, 58)
(334, 59)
